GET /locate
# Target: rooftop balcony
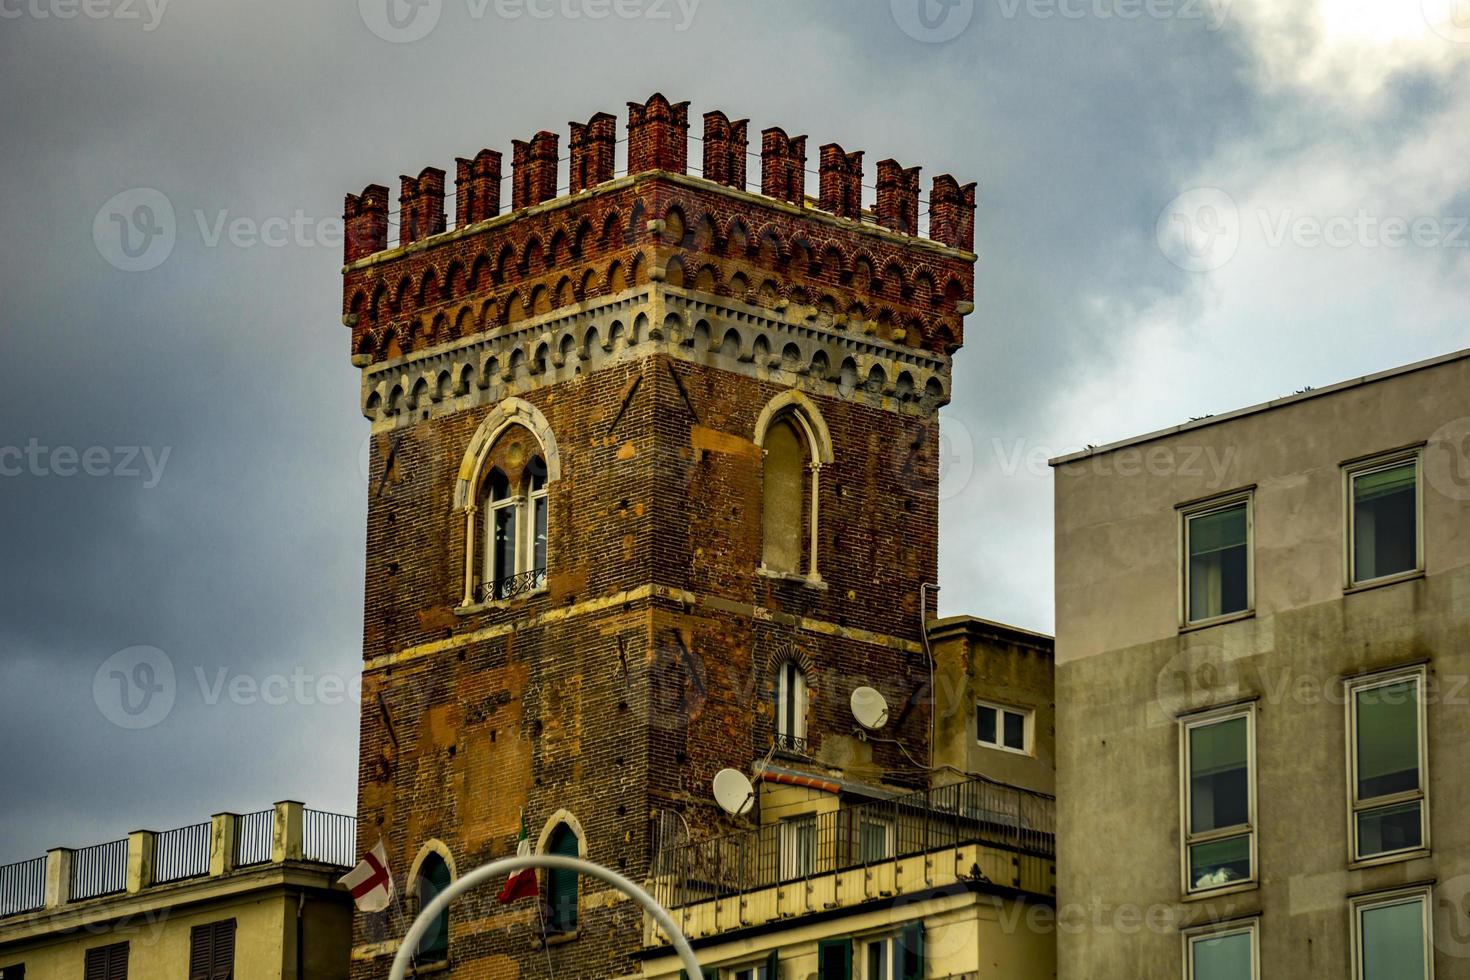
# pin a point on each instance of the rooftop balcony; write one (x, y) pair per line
(977, 833)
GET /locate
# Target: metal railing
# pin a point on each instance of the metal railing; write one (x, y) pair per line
(330, 838)
(101, 869)
(513, 585)
(790, 744)
(22, 887)
(253, 838)
(977, 811)
(182, 853)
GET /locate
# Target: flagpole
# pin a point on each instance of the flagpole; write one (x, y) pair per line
(403, 921)
(540, 912)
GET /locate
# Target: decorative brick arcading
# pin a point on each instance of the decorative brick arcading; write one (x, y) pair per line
(898, 197)
(658, 135)
(783, 165)
(724, 149)
(477, 188)
(592, 146)
(952, 213)
(842, 182)
(533, 170)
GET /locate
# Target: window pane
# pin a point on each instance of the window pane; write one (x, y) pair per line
(504, 544)
(1385, 540)
(874, 841)
(877, 961)
(1015, 731)
(1222, 957)
(1217, 563)
(1389, 828)
(538, 543)
(985, 725)
(1220, 862)
(1393, 941)
(1219, 788)
(1388, 739)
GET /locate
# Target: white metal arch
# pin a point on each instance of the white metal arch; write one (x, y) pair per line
(504, 866)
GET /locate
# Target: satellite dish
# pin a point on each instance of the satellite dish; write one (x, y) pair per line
(733, 792)
(869, 708)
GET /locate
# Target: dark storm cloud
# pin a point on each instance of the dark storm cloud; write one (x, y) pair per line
(246, 556)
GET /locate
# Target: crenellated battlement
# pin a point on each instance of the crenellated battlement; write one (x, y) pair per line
(864, 268)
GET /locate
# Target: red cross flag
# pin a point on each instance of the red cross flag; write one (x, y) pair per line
(370, 883)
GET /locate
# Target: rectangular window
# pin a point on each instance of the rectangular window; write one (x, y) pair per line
(834, 959)
(791, 708)
(798, 846)
(1386, 746)
(875, 839)
(1217, 559)
(882, 963)
(1383, 519)
(538, 536)
(1229, 953)
(1391, 936)
(107, 962)
(16, 971)
(212, 951)
(1219, 799)
(999, 727)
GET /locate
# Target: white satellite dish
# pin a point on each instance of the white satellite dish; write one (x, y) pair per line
(733, 792)
(869, 708)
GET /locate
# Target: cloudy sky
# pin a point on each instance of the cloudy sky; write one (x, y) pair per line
(1186, 206)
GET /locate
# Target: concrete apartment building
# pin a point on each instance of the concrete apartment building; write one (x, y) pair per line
(1263, 644)
(250, 896)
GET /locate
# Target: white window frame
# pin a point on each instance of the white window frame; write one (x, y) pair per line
(1202, 508)
(1362, 467)
(788, 850)
(791, 699)
(1423, 894)
(756, 970)
(886, 824)
(1220, 931)
(535, 499)
(1028, 723)
(892, 949)
(1354, 686)
(1205, 719)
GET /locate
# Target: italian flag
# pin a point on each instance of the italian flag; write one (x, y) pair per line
(522, 884)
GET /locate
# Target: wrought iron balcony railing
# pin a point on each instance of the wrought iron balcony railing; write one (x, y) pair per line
(513, 585)
(791, 744)
(974, 812)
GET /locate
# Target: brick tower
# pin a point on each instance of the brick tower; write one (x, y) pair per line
(653, 487)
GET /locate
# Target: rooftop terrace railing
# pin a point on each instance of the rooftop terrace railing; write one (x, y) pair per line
(287, 832)
(976, 811)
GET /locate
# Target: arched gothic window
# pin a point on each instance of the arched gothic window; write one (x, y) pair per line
(794, 446)
(433, 877)
(514, 524)
(561, 886)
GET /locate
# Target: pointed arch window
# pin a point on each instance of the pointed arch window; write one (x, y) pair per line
(433, 877)
(561, 885)
(794, 446)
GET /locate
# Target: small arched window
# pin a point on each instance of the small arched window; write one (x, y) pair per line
(791, 700)
(561, 886)
(433, 878)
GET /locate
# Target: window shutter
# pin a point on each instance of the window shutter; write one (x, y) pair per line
(222, 954)
(773, 966)
(201, 951)
(913, 952)
(834, 959)
(117, 962)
